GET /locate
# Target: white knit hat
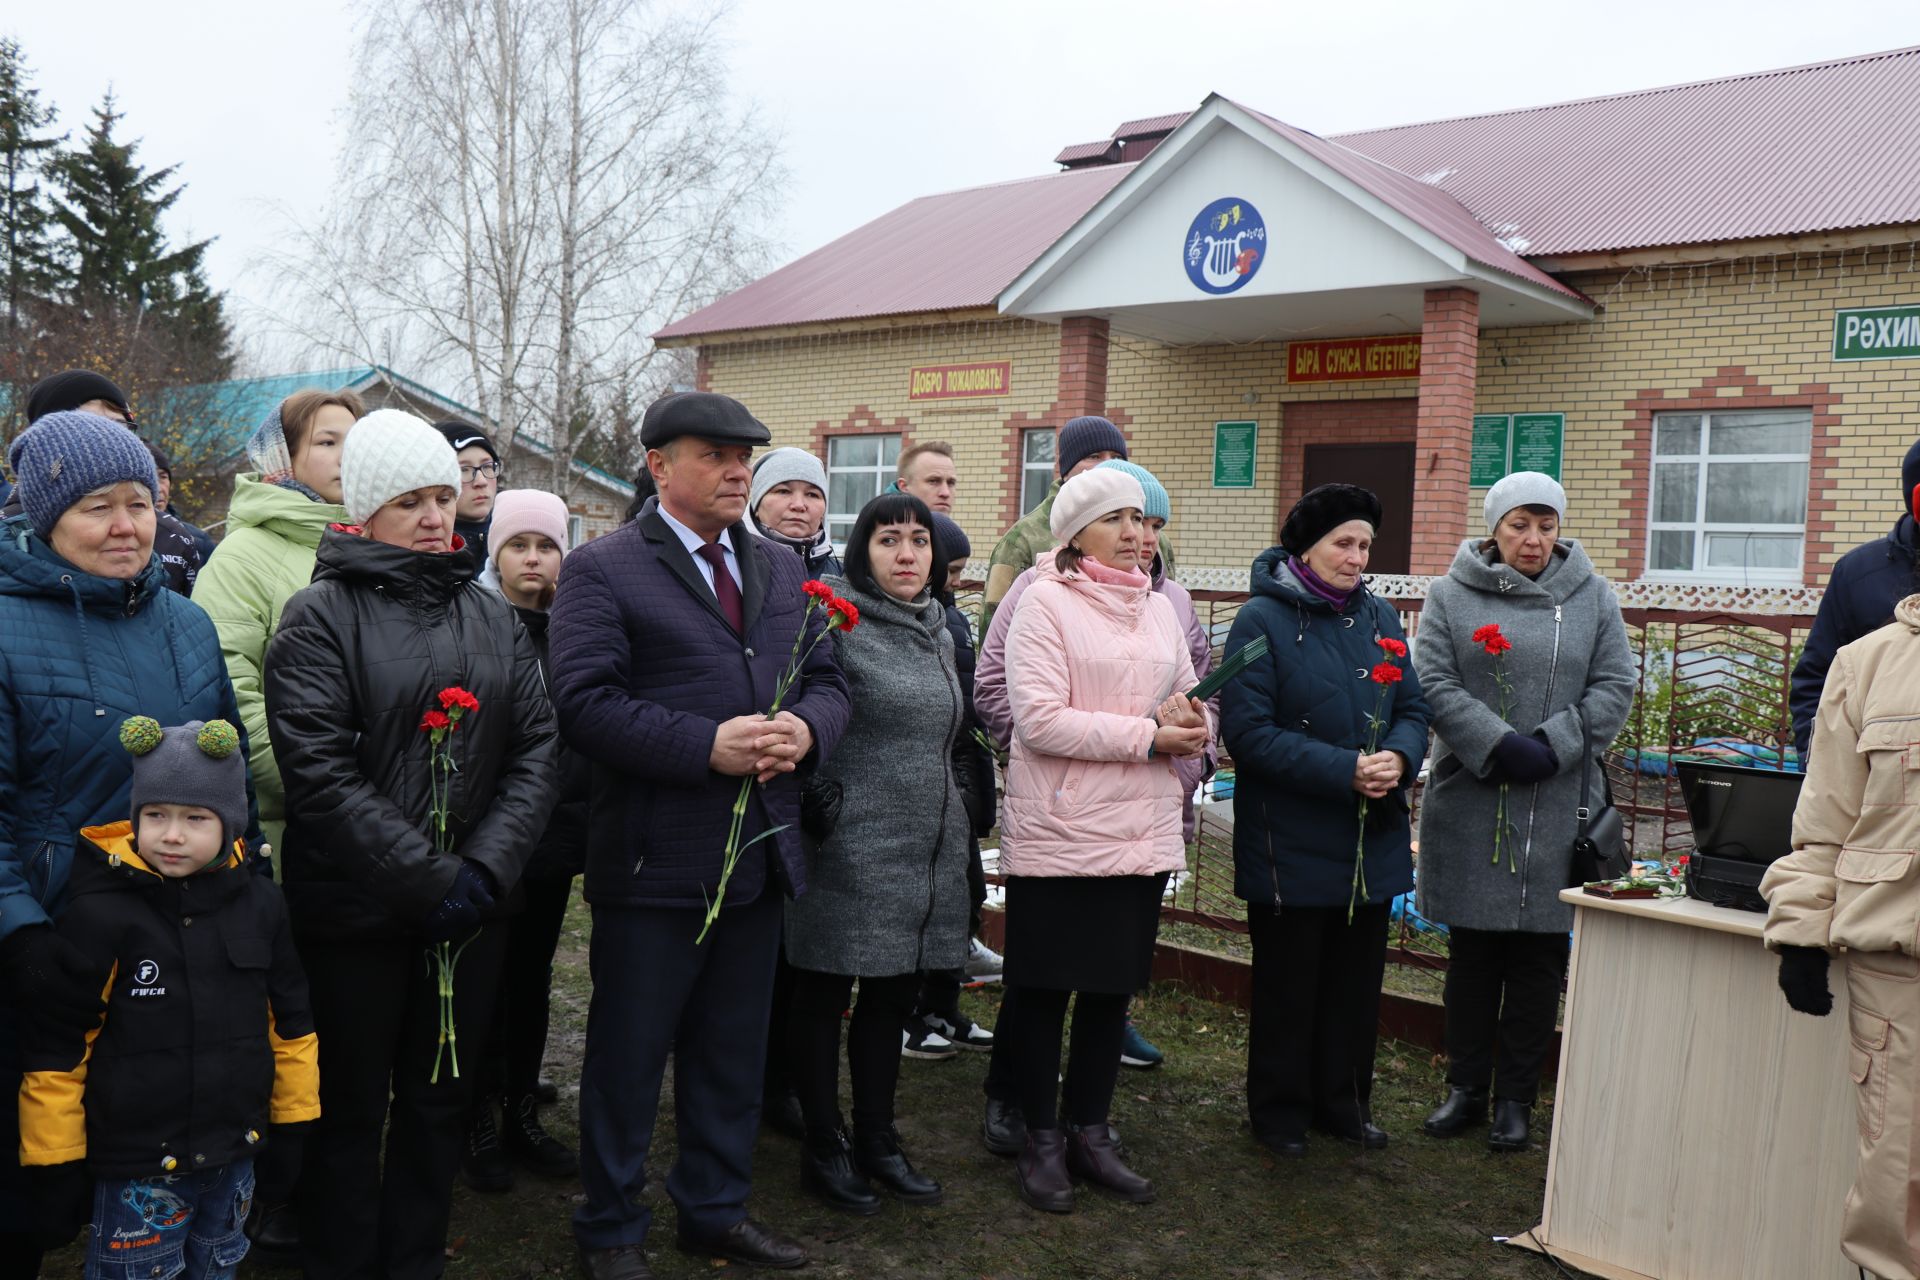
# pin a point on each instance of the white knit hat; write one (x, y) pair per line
(390, 452)
(1524, 489)
(1087, 497)
(780, 466)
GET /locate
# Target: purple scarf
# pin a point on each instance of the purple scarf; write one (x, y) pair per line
(1311, 581)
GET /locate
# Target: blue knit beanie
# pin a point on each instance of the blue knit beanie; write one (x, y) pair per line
(949, 540)
(1158, 507)
(65, 456)
(1082, 436)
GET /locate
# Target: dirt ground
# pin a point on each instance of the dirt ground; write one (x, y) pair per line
(1227, 1210)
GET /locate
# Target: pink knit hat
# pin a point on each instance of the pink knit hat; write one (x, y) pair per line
(518, 511)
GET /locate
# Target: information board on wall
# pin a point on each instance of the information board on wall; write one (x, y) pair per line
(1877, 333)
(1235, 445)
(1354, 359)
(960, 381)
(1507, 442)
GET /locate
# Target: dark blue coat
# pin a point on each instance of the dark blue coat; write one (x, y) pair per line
(644, 669)
(1860, 595)
(1295, 723)
(78, 655)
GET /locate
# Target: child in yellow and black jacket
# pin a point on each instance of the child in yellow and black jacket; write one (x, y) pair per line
(206, 1037)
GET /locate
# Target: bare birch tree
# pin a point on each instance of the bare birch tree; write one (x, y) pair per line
(530, 188)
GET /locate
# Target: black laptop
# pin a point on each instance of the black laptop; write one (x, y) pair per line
(1742, 821)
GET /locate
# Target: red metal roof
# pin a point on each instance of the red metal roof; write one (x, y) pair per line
(1151, 125)
(1107, 148)
(936, 253)
(1824, 147)
(1435, 210)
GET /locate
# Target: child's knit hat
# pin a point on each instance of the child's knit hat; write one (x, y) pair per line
(195, 763)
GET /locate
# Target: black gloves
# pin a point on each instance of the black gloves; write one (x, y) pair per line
(51, 979)
(459, 911)
(1523, 758)
(62, 1198)
(1803, 977)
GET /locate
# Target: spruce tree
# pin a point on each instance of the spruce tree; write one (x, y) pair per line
(111, 208)
(30, 254)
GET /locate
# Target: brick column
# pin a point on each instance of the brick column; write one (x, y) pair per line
(1449, 360)
(1083, 368)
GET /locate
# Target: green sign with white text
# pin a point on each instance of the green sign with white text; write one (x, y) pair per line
(1536, 442)
(1234, 447)
(1877, 333)
(1488, 460)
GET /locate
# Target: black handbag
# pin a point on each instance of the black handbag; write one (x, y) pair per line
(1600, 844)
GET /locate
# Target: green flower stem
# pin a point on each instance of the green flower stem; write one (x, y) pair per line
(1375, 723)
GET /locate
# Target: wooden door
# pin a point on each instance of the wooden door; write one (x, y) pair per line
(1387, 469)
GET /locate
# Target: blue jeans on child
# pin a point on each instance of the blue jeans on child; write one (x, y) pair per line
(186, 1225)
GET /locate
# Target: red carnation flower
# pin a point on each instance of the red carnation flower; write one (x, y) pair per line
(434, 721)
(1386, 673)
(454, 696)
(1483, 634)
(843, 614)
(1497, 644)
(1395, 647)
(818, 590)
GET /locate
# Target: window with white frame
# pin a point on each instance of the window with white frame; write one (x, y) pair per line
(1036, 466)
(1729, 500)
(576, 529)
(859, 469)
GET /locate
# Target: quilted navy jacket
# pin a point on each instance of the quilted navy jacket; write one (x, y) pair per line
(78, 655)
(644, 669)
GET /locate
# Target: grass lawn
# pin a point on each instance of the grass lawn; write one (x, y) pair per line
(1421, 1208)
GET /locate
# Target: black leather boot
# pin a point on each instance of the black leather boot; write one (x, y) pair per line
(1091, 1156)
(878, 1155)
(1511, 1121)
(826, 1169)
(527, 1140)
(1463, 1109)
(1005, 1129)
(781, 1113)
(486, 1167)
(1041, 1171)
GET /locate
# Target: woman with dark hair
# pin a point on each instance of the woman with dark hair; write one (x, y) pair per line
(1330, 717)
(1571, 676)
(1097, 674)
(887, 890)
(389, 854)
(643, 488)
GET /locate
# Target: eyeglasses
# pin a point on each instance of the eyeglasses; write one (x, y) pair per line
(469, 474)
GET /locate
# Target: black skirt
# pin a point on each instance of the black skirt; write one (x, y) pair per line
(1082, 933)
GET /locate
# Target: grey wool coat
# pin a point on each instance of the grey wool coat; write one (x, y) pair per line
(1569, 650)
(887, 890)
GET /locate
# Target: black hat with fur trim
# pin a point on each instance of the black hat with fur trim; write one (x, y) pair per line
(1322, 510)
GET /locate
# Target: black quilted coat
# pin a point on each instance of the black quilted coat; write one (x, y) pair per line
(359, 657)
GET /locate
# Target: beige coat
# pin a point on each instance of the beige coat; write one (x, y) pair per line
(1852, 882)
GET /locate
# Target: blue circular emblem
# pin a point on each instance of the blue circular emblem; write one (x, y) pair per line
(1225, 245)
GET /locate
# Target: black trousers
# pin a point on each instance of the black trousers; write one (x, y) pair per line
(657, 995)
(1502, 994)
(1031, 1021)
(520, 1019)
(873, 1045)
(1316, 1017)
(376, 1007)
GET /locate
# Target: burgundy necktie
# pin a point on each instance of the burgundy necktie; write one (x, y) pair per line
(725, 590)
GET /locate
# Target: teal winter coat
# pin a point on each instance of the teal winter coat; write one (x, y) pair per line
(78, 655)
(1295, 722)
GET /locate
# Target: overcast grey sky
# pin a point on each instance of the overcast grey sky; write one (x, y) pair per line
(877, 102)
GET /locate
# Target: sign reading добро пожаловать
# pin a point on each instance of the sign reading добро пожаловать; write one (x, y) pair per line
(1877, 333)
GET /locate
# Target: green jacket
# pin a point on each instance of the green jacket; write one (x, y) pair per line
(266, 556)
(1026, 542)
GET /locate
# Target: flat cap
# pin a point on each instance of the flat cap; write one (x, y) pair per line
(703, 414)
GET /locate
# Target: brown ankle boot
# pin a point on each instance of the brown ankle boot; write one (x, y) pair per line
(1041, 1171)
(1091, 1155)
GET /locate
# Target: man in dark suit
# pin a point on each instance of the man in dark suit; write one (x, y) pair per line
(668, 638)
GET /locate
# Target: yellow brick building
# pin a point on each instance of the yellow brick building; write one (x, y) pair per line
(1727, 354)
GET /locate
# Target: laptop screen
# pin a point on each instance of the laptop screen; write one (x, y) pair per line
(1740, 812)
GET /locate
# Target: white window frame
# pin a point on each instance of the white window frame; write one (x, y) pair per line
(1037, 475)
(576, 529)
(1700, 526)
(883, 473)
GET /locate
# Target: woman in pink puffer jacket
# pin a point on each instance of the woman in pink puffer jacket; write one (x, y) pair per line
(1097, 669)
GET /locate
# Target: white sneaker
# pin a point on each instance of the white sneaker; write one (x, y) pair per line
(983, 963)
(960, 1030)
(918, 1040)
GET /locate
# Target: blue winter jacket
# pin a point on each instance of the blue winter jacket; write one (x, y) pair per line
(1861, 592)
(78, 655)
(1295, 722)
(644, 669)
